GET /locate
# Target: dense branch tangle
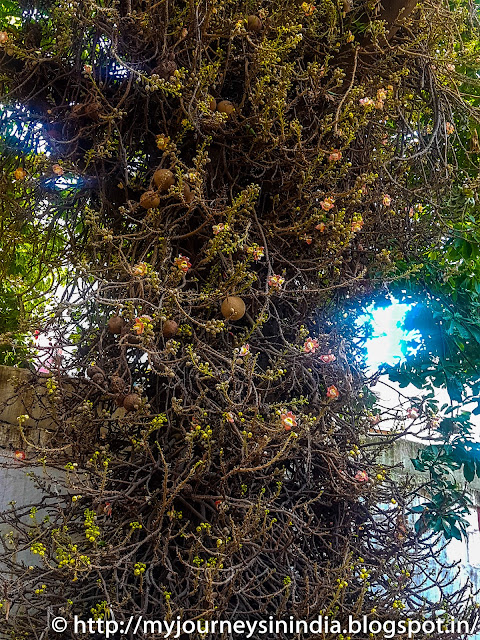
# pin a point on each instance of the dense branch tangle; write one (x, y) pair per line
(285, 154)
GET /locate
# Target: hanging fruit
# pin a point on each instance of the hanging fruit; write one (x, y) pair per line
(131, 402)
(170, 328)
(117, 385)
(94, 371)
(163, 179)
(254, 23)
(149, 200)
(233, 308)
(225, 106)
(115, 324)
(212, 103)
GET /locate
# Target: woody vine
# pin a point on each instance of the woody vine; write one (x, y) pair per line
(243, 178)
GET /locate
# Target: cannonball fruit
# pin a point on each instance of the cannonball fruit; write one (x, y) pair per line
(212, 103)
(115, 324)
(163, 179)
(254, 23)
(225, 106)
(131, 402)
(149, 200)
(170, 328)
(117, 385)
(93, 371)
(98, 378)
(233, 308)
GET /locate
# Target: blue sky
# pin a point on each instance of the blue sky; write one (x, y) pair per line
(387, 335)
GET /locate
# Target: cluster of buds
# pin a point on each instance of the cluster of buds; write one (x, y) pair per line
(214, 326)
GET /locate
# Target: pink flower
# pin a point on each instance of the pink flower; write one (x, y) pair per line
(333, 392)
(449, 128)
(140, 269)
(275, 281)
(361, 476)
(387, 201)
(3, 37)
(19, 455)
(335, 156)
(183, 263)
(256, 252)
(366, 102)
(320, 227)
(218, 228)
(381, 94)
(289, 420)
(57, 170)
(19, 173)
(328, 203)
(229, 417)
(412, 413)
(357, 225)
(308, 239)
(308, 8)
(244, 349)
(142, 323)
(87, 68)
(311, 345)
(374, 419)
(328, 358)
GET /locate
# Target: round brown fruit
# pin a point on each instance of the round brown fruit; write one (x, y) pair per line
(131, 402)
(187, 193)
(225, 106)
(98, 378)
(163, 179)
(212, 103)
(254, 23)
(117, 385)
(149, 200)
(93, 371)
(233, 308)
(170, 328)
(116, 324)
